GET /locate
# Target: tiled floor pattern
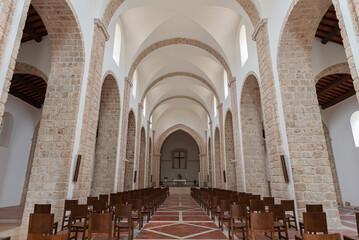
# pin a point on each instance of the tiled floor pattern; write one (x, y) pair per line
(180, 217)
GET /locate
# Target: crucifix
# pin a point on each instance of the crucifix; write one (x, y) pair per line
(179, 156)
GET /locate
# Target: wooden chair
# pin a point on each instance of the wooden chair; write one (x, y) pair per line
(40, 224)
(335, 236)
(8, 238)
(255, 197)
(78, 221)
(215, 209)
(91, 202)
(280, 224)
(47, 237)
(268, 201)
(104, 197)
(100, 223)
(315, 222)
(352, 237)
(224, 215)
(310, 208)
(45, 209)
(123, 221)
(262, 223)
(67, 208)
(99, 206)
(289, 207)
(137, 212)
(238, 221)
(257, 206)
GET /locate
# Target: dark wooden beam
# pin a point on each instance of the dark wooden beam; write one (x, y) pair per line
(24, 98)
(29, 30)
(333, 85)
(29, 85)
(330, 35)
(339, 99)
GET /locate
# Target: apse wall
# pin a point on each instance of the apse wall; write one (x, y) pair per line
(180, 139)
(337, 119)
(14, 158)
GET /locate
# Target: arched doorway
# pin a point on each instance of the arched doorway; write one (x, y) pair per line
(253, 138)
(180, 159)
(107, 138)
(230, 159)
(130, 151)
(217, 160)
(142, 160)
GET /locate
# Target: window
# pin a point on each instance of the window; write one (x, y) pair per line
(117, 45)
(179, 159)
(215, 106)
(134, 84)
(243, 45)
(6, 129)
(225, 84)
(354, 121)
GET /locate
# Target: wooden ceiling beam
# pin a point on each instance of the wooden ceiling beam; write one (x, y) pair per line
(331, 34)
(333, 85)
(24, 98)
(32, 32)
(339, 99)
(31, 86)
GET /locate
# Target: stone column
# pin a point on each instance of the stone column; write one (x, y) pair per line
(147, 166)
(212, 173)
(125, 111)
(223, 185)
(232, 85)
(156, 169)
(203, 169)
(138, 143)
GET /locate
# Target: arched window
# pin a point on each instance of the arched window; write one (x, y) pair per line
(354, 121)
(117, 45)
(243, 45)
(6, 129)
(225, 84)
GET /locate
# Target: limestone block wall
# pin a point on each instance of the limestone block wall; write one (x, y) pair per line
(217, 160)
(229, 143)
(141, 162)
(130, 152)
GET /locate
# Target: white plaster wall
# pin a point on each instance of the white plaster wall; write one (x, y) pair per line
(337, 119)
(180, 139)
(326, 55)
(14, 159)
(36, 54)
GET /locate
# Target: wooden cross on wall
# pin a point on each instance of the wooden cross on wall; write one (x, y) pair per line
(179, 156)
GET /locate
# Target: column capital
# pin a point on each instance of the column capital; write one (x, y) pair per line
(149, 122)
(219, 105)
(100, 24)
(231, 81)
(259, 26)
(128, 81)
(140, 106)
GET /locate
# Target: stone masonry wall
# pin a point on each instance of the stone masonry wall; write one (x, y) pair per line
(130, 151)
(229, 143)
(217, 160)
(141, 162)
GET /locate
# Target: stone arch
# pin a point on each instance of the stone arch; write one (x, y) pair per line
(130, 151)
(63, 94)
(336, 68)
(25, 68)
(302, 119)
(230, 156)
(210, 173)
(252, 134)
(248, 5)
(333, 167)
(183, 74)
(142, 162)
(107, 138)
(149, 171)
(180, 97)
(217, 159)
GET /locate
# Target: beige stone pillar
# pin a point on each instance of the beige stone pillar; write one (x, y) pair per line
(124, 128)
(212, 172)
(203, 169)
(156, 169)
(138, 143)
(236, 136)
(222, 184)
(148, 160)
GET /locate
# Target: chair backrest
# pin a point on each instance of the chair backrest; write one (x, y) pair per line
(42, 208)
(123, 211)
(79, 211)
(243, 200)
(91, 200)
(224, 205)
(335, 236)
(278, 211)
(99, 206)
(47, 237)
(69, 203)
(314, 208)
(268, 201)
(262, 222)
(136, 204)
(315, 222)
(100, 223)
(288, 205)
(41, 224)
(255, 197)
(257, 206)
(357, 217)
(238, 212)
(7, 238)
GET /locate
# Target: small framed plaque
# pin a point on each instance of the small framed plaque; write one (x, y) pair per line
(134, 177)
(284, 168)
(224, 176)
(77, 169)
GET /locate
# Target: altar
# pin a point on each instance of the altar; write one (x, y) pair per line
(179, 182)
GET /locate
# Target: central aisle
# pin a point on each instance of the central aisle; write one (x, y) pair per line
(180, 217)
